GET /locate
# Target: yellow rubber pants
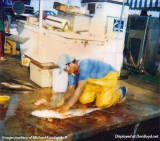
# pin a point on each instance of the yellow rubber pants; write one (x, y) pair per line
(103, 90)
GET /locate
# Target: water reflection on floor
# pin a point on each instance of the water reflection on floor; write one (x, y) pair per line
(15, 116)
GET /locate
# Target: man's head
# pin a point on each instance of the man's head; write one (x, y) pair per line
(67, 63)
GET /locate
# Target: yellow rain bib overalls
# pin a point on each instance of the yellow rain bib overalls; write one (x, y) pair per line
(103, 90)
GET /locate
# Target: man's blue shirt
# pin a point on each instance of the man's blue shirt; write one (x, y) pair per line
(89, 68)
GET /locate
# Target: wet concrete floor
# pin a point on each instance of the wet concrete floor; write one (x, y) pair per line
(16, 118)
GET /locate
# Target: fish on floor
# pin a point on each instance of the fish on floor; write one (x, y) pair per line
(14, 87)
(45, 113)
(21, 82)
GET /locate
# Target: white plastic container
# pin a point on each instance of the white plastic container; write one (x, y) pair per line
(42, 77)
(59, 81)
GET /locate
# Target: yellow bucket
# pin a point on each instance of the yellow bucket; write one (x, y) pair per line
(4, 99)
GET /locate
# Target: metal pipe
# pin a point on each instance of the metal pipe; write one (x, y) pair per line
(119, 26)
(69, 4)
(135, 130)
(141, 54)
(122, 11)
(40, 14)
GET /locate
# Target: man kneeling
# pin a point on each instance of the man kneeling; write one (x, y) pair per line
(90, 80)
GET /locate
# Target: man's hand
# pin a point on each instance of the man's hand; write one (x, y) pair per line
(59, 104)
(78, 92)
(70, 91)
(62, 109)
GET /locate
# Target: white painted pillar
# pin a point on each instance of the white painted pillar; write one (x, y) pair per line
(40, 26)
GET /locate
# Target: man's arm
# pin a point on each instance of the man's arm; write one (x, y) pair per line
(74, 98)
(70, 91)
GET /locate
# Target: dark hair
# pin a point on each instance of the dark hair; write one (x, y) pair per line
(74, 61)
